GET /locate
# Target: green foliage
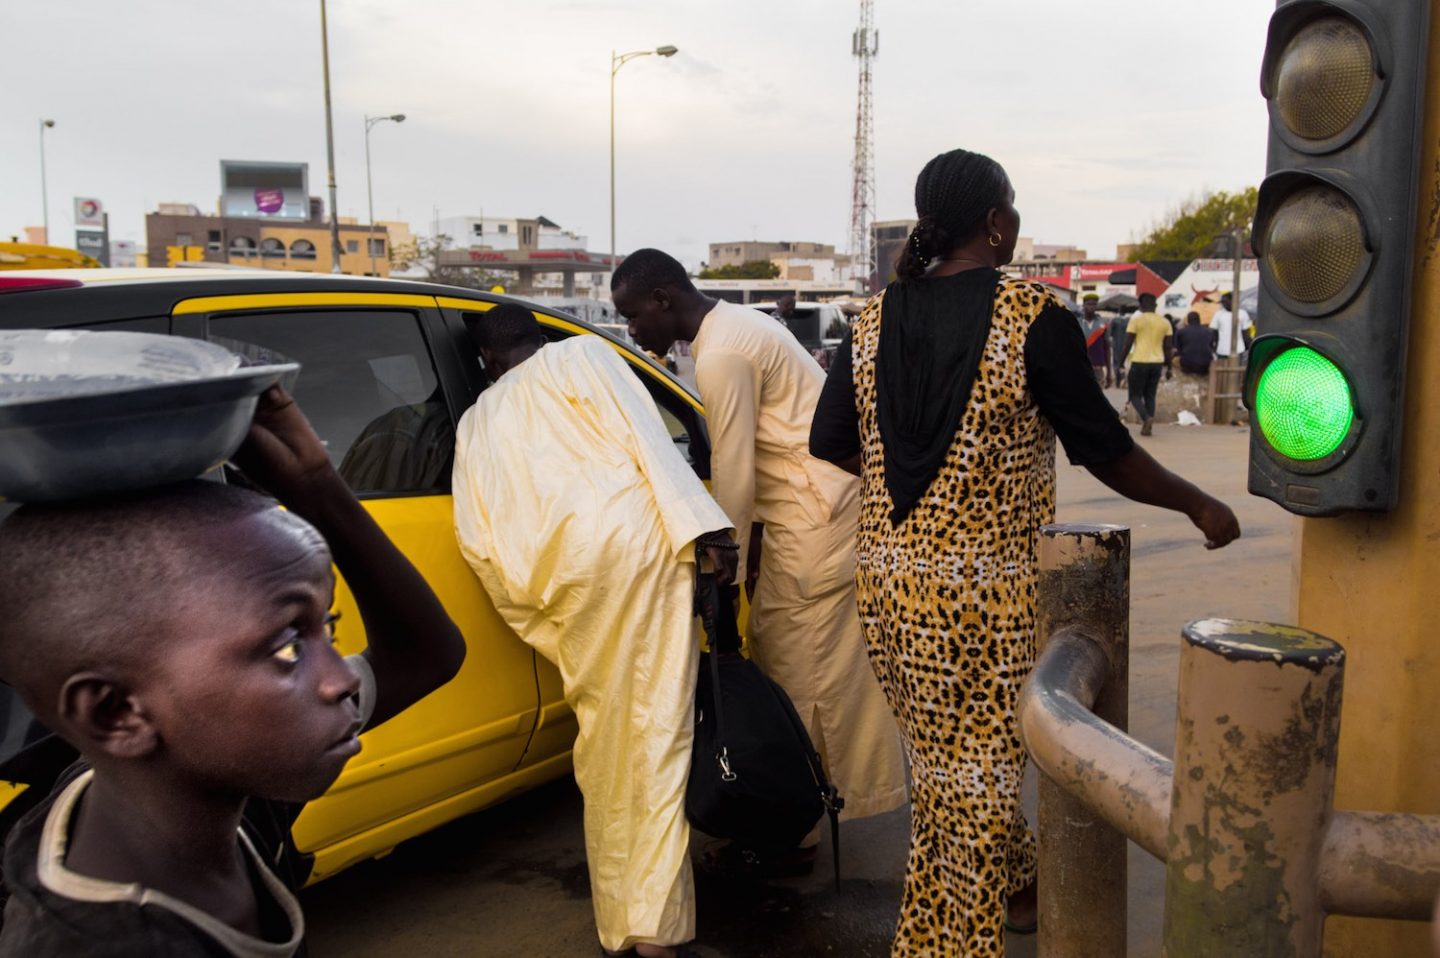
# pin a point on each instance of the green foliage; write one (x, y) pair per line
(755, 269)
(1189, 230)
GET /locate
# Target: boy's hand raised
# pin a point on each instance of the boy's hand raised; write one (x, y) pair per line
(283, 454)
(414, 647)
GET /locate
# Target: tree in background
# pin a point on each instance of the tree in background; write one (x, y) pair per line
(755, 269)
(1189, 230)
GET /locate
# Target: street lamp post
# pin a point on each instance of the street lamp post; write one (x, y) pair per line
(44, 190)
(335, 250)
(369, 189)
(616, 62)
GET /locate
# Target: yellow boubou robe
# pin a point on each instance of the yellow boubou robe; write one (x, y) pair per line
(760, 386)
(579, 517)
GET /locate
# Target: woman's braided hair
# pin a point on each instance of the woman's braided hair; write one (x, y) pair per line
(953, 194)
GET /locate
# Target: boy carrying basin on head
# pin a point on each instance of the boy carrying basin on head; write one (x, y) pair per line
(181, 639)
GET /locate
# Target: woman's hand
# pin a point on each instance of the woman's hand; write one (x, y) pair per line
(1136, 475)
(283, 455)
(1217, 521)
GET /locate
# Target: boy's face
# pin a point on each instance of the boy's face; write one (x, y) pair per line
(249, 694)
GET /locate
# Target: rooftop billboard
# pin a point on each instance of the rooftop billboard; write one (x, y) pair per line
(262, 190)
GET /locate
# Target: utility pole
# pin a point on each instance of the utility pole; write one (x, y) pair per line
(335, 249)
(44, 190)
(864, 44)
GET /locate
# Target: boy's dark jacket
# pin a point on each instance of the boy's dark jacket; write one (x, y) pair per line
(39, 922)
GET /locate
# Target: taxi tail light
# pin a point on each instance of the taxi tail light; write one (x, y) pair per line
(26, 284)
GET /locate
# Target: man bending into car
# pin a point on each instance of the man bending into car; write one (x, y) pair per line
(581, 518)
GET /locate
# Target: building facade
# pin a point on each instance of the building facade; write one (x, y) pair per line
(179, 233)
(738, 253)
(484, 235)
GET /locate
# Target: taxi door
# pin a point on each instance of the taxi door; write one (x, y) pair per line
(383, 388)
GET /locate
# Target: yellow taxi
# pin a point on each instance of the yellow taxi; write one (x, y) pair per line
(386, 371)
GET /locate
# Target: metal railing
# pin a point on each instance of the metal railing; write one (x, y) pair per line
(1255, 854)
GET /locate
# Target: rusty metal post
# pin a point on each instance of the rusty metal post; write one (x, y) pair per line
(1255, 741)
(1084, 587)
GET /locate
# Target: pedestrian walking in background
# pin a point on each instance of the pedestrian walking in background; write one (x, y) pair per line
(580, 519)
(1097, 338)
(1148, 343)
(1195, 345)
(946, 402)
(759, 386)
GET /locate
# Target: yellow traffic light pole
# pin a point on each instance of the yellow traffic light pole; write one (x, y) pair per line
(1372, 582)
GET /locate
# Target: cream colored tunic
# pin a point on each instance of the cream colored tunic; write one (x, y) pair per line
(760, 386)
(579, 517)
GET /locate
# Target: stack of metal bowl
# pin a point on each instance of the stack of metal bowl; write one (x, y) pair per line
(97, 413)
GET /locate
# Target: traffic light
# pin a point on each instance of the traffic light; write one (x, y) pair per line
(1334, 229)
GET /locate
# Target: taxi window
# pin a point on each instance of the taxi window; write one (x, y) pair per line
(367, 384)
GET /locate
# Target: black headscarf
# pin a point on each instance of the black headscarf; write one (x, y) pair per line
(932, 337)
(933, 331)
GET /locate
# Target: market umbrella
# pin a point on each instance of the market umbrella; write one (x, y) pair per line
(1117, 302)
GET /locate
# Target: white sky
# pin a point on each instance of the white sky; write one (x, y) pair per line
(1105, 113)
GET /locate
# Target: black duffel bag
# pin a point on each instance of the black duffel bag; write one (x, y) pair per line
(755, 776)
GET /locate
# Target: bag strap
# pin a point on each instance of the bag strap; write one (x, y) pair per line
(707, 607)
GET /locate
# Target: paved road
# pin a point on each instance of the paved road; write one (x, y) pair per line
(512, 880)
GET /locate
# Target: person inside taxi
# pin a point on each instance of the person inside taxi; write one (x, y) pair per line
(180, 639)
(581, 520)
(760, 386)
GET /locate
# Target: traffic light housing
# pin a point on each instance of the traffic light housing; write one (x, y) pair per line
(1334, 230)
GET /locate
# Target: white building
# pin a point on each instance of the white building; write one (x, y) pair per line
(517, 234)
(508, 233)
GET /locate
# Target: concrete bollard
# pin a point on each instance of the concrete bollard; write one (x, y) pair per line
(1084, 590)
(1254, 778)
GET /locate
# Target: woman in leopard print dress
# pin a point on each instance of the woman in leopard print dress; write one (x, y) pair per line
(946, 401)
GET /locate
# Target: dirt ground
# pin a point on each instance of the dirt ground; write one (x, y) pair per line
(511, 880)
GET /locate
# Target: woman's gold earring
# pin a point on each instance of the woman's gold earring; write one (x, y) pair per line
(996, 239)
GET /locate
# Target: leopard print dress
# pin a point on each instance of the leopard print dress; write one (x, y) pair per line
(947, 602)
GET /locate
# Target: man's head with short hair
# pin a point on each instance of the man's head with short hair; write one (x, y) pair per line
(180, 633)
(785, 307)
(1225, 300)
(1192, 318)
(504, 337)
(654, 293)
(1089, 305)
(1147, 302)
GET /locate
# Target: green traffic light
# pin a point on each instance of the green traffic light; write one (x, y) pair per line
(1303, 405)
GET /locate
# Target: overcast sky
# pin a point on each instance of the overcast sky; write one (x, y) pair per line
(1106, 113)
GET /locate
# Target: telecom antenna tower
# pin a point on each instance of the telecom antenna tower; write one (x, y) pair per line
(865, 44)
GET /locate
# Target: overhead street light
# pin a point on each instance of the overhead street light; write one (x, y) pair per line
(618, 60)
(370, 121)
(44, 192)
